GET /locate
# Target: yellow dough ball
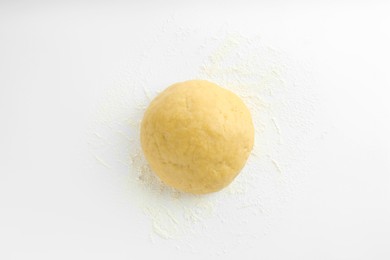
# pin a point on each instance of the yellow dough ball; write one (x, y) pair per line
(197, 136)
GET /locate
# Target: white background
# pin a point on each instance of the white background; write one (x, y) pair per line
(59, 61)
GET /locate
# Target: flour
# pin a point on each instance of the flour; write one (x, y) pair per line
(266, 80)
(101, 161)
(277, 166)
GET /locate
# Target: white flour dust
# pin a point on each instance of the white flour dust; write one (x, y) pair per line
(278, 96)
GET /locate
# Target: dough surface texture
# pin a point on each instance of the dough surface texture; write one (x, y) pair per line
(197, 136)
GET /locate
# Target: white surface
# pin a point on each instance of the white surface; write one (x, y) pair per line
(71, 75)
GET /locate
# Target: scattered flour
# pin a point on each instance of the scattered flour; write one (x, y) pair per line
(270, 85)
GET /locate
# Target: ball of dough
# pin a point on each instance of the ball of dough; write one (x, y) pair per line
(197, 136)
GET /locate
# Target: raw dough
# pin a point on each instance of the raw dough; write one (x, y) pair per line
(197, 136)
